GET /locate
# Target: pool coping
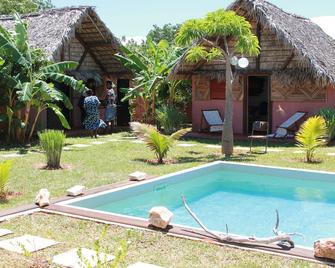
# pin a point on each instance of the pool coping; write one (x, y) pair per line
(60, 207)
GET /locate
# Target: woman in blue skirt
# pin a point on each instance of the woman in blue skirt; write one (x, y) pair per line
(92, 120)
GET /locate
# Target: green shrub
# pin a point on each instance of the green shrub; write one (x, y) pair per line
(170, 118)
(311, 136)
(5, 168)
(52, 142)
(329, 115)
(158, 143)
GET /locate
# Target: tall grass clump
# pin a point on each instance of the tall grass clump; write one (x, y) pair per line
(329, 116)
(170, 118)
(5, 168)
(311, 136)
(52, 143)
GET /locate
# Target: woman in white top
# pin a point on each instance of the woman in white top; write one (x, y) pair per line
(110, 114)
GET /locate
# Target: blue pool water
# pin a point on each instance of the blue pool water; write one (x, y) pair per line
(243, 197)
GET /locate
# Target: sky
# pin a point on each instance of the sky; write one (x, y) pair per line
(134, 18)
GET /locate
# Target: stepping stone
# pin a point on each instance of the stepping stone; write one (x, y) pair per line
(298, 152)
(88, 256)
(11, 155)
(331, 154)
(115, 140)
(186, 145)
(81, 145)
(138, 141)
(143, 265)
(67, 148)
(213, 146)
(27, 243)
(4, 232)
(98, 142)
(274, 150)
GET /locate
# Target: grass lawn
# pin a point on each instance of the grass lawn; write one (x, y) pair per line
(145, 246)
(112, 161)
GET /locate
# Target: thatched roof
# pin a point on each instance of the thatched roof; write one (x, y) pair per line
(51, 29)
(307, 39)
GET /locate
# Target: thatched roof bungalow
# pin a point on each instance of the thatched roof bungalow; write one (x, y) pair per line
(295, 70)
(76, 34)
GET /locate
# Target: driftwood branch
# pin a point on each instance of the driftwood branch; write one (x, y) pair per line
(284, 239)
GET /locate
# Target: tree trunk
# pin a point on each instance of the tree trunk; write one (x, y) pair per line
(227, 133)
(39, 110)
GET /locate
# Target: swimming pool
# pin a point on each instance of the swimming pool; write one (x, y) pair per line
(242, 196)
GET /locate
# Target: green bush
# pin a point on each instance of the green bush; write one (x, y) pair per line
(5, 168)
(52, 143)
(329, 115)
(170, 118)
(311, 136)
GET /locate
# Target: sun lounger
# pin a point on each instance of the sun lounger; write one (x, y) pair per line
(213, 120)
(289, 127)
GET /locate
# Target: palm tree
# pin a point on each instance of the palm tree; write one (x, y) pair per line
(26, 75)
(150, 70)
(158, 143)
(220, 35)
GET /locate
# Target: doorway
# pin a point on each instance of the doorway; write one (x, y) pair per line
(123, 114)
(257, 101)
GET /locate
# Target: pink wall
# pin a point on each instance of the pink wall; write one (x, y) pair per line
(281, 110)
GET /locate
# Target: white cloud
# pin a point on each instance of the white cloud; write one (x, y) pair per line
(327, 24)
(138, 39)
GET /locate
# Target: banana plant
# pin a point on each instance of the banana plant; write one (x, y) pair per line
(151, 69)
(29, 76)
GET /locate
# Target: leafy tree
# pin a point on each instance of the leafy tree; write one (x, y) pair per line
(166, 32)
(151, 70)
(220, 35)
(23, 6)
(25, 76)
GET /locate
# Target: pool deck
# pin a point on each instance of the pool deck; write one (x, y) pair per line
(177, 231)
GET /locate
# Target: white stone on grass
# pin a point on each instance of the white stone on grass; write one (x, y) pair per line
(331, 154)
(14, 155)
(42, 198)
(213, 146)
(88, 256)
(66, 148)
(26, 243)
(98, 142)
(186, 145)
(81, 145)
(273, 150)
(160, 217)
(143, 265)
(138, 141)
(114, 140)
(137, 176)
(4, 232)
(298, 152)
(75, 190)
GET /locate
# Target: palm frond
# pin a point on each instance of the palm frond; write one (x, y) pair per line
(178, 134)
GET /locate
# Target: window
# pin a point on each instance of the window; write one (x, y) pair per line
(218, 89)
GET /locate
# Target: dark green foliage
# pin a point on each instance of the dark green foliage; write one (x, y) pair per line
(170, 118)
(329, 116)
(23, 6)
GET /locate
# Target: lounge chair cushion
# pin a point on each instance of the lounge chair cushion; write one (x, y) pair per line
(292, 120)
(213, 118)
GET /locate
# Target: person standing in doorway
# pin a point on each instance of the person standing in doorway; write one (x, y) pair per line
(110, 114)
